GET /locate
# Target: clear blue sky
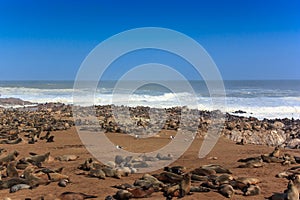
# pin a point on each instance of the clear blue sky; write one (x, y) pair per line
(48, 40)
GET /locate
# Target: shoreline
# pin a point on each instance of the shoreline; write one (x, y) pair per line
(272, 132)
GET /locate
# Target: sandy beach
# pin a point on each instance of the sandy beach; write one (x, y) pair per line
(67, 142)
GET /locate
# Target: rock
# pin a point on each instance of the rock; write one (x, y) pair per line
(293, 144)
(140, 165)
(119, 159)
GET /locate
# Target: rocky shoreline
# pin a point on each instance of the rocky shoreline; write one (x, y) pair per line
(14, 102)
(56, 116)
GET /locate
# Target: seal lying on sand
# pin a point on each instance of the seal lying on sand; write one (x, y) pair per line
(75, 196)
(226, 190)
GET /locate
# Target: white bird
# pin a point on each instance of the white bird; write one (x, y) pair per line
(172, 137)
(119, 147)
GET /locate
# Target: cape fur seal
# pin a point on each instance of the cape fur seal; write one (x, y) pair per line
(292, 191)
(226, 190)
(10, 157)
(11, 170)
(75, 196)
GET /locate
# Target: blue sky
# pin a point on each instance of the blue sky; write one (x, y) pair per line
(48, 40)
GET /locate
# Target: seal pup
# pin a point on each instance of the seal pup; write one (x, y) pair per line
(75, 196)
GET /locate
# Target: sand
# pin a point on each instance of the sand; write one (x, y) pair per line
(227, 152)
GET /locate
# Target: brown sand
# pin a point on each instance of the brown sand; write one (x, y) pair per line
(68, 142)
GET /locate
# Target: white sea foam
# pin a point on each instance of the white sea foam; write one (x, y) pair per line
(260, 107)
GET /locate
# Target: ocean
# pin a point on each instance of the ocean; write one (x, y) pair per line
(262, 99)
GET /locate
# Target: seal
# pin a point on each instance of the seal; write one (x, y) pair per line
(275, 153)
(252, 190)
(2, 150)
(63, 182)
(217, 168)
(38, 158)
(185, 185)
(11, 170)
(5, 184)
(75, 195)
(50, 139)
(67, 158)
(246, 180)
(57, 176)
(292, 191)
(203, 172)
(168, 177)
(46, 136)
(226, 190)
(98, 173)
(122, 195)
(10, 157)
(171, 192)
(16, 141)
(223, 179)
(18, 187)
(252, 164)
(199, 189)
(139, 192)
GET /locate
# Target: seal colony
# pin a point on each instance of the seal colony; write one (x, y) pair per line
(41, 157)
